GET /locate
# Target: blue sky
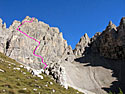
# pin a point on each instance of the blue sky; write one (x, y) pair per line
(72, 17)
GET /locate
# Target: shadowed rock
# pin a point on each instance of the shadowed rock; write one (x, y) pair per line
(96, 65)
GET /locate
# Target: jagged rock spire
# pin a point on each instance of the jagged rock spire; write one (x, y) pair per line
(1, 21)
(122, 21)
(2, 25)
(80, 46)
(110, 26)
(110, 23)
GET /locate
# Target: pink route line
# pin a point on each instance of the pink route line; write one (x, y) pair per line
(33, 39)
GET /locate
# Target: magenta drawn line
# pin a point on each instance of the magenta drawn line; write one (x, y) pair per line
(33, 39)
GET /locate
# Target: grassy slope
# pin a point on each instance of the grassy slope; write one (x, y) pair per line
(14, 81)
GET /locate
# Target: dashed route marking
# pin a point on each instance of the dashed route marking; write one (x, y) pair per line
(32, 39)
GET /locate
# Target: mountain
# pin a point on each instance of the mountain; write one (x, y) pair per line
(53, 48)
(95, 66)
(103, 56)
(16, 78)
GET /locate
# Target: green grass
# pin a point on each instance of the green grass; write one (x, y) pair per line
(14, 81)
(120, 92)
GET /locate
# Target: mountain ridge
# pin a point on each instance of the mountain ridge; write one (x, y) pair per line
(68, 66)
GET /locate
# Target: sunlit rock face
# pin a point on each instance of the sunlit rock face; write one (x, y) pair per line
(53, 48)
(81, 45)
(90, 67)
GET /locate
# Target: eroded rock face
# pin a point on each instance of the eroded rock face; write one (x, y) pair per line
(82, 68)
(111, 42)
(104, 55)
(53, 48)
(81, 45)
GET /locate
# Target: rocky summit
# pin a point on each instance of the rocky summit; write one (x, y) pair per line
(95, 66)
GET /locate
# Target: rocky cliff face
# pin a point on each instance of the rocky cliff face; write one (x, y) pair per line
(90, 67)
(53, 48)
(105, 53)
(82, 44)
(111, 42)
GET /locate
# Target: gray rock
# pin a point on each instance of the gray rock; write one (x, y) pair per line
(68, 67)
(2, 70)
(82, 44)
(111, 42)
(53, 48)
(105, 54)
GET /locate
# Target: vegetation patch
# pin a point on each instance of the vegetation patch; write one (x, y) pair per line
(17, 80)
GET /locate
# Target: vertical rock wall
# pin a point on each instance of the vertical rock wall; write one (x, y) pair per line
(53, 48)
